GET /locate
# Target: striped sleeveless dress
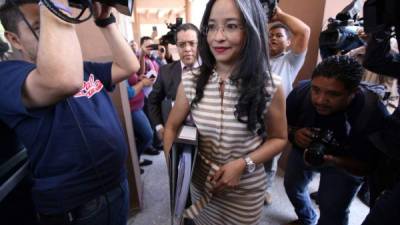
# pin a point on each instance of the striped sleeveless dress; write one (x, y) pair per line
(222, 138)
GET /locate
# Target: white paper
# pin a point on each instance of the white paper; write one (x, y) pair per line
(183, 181)
(188, 133)
(147, 90)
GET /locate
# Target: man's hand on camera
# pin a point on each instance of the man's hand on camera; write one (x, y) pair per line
(101, 11)
(303, 137)
(277, 12)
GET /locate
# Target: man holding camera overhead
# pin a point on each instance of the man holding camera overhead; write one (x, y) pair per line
(330, 118)
(59, 108)
(288, 42)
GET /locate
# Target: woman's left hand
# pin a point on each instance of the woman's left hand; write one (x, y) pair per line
(228, 176)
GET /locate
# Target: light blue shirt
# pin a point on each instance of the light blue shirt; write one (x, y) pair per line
(287, 65)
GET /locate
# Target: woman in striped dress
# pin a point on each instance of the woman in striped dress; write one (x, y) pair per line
(233, 100)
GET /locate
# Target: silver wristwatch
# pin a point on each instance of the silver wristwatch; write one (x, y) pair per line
(250, 165)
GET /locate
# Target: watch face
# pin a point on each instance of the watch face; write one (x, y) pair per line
(251, 167)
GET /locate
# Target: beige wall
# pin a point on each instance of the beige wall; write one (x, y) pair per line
(311, 12)
(93, 44)
(198, 7)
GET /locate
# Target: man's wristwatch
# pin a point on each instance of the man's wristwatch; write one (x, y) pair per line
(105, 22)
(250, 165)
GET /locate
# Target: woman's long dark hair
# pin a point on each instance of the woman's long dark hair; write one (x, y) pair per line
(252, 71)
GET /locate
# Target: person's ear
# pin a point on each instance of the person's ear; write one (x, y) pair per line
(289, 42)
(13, 39)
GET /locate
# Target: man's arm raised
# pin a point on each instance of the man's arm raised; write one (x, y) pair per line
(125, 62)
(300, 30)
(59, 71)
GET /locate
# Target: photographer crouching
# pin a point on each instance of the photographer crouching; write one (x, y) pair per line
(329, 120)
(59, 107)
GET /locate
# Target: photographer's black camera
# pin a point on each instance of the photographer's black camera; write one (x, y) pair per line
(123, 6)
(170, 37)
(323, 143)
(339, 36)
(269, 7)
(341, 33)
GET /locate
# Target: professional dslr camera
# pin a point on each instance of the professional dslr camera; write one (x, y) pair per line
(323, 143)
(170, 37)
(269, 7)
(341, 33)
(123, 6)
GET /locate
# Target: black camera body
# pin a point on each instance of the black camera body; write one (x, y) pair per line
(170, 37)
(323, 144)
(341, 33)
(123, 6)
(269, 7)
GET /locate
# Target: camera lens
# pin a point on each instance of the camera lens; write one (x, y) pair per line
(314, 154)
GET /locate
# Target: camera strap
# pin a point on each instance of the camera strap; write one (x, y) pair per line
(57, 11)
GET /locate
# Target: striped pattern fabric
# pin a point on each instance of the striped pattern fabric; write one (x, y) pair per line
(222, 138)
(195, 209)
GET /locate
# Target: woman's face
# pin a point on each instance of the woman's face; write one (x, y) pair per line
(225, 32)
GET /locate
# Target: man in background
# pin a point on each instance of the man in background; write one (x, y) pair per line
(164, 90)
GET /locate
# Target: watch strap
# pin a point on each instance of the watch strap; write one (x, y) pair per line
(105, 22)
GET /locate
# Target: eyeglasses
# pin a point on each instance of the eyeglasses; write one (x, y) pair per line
(182, 44)
(228, 28)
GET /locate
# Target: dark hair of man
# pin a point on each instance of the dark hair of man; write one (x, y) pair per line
(342, 68)
(252, 71)
(144, 38)
(278, 25)
(10, 16)
(186, 27)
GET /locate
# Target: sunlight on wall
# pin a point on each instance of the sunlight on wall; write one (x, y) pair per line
(198, 7)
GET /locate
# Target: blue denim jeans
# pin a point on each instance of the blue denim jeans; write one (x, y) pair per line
(143, 131)
(336, 190)
(108, 209)
(112, 210)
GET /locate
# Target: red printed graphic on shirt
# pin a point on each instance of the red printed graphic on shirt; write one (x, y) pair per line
(90, 87)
